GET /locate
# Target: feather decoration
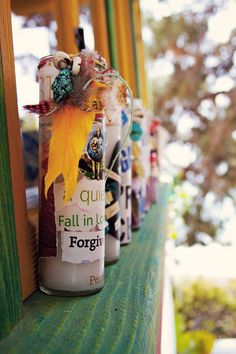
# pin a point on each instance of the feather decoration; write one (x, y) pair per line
(42, 108)
(65, 148)
(114, 98)
(84, 86)
(90, 99)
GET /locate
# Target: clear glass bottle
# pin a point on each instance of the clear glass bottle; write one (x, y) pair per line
(112, 244)
(71, 235)
(126, 181)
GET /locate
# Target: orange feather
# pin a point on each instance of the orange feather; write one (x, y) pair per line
(70, 131)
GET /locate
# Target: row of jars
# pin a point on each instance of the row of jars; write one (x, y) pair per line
(117, 184)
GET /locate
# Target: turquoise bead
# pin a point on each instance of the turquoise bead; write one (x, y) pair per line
(62, 85)
(136, 132)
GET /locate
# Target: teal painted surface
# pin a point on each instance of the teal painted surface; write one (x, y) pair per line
(10, 293)
(121, 319)
(111, 33)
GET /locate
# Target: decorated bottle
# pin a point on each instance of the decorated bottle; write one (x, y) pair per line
(146, 148)
(126, 181)
(72, 171)
(112, 243)
(153, 180)
(71, 235)
(137, 195)
(153, 177)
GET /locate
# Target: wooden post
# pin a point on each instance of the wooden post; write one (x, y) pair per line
(12, 201)
(25, 244)
(10, 291)
(29, 7)
(139, 51)
(99, 20)
(66, 14)
(125, 43)
(112, 37)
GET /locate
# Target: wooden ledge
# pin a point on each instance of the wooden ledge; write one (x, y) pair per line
(122, 318)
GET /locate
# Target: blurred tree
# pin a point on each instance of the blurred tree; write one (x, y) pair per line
(193, 93)
(202, 306)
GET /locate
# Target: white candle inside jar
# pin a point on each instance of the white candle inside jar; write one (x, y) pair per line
(71, 234)
(112, 243)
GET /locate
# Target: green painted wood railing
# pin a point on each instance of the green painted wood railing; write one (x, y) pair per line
(122, 318)
(10, 292)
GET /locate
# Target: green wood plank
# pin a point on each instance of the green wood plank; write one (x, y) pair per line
(112, 39)
(122, 318)
(10, 293)
(135, 49)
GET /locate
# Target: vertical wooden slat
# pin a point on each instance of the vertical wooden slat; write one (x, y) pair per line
(139, 51)
(125, 42)
(66, 13)
(10, 291)
(15, 149)
(112, 39)
(137, 76)
(29, 7)
(99, 20)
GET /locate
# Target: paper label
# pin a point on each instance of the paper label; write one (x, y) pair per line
(81, 220)
(136, 198)
(85, 211)
(125, 206)
(125, 162)
(125, 194)
(112, 210)
(46, 75)
(82, 247)
(113, 195)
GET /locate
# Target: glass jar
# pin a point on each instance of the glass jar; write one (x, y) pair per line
(71, 234)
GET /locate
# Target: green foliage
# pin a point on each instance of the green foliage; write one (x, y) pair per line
(194, 342)
(202, 306)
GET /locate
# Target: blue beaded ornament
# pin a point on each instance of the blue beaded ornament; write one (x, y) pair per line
(136, 132)
(62, 85)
